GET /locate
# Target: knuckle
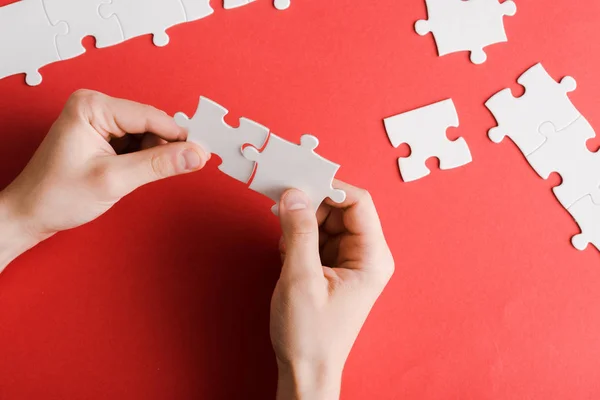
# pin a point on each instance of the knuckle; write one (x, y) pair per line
(104, 182)
(83, 98)
(304, 227)
(161, 166)
(365, 196)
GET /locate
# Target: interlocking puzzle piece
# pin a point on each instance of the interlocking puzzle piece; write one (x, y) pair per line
(282, 4)
(544, 100)
(565, 152)
(209, 130)
(284, 165)
(27, 40)
(197, 9)
(229, 4)
(424, 130)
(587, 215)
(470, 25)
(142, 17)
(83, 19)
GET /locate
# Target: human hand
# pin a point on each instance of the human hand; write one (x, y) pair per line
(335, 266)
(99, 150)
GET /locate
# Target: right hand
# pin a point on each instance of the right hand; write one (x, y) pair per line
(335, 266)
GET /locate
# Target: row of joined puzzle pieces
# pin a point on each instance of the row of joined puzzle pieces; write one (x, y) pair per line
(553, 136)
(35, 33)
(280, 166)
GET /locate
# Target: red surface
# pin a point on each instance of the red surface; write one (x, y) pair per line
(166, 297)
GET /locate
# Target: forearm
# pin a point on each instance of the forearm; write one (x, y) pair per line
(309, 383)
(15, 239)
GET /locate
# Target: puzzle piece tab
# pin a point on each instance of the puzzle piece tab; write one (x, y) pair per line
(83, 19)
(284, 165)
(565, 152)
(142, 17)
(209, 130)
(424, 130)
(470, 25)
(587, 215)
(544, 100)
(27, 40)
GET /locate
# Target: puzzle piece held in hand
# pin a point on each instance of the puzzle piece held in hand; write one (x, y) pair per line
(566, 153)
(424, 130)
(27, 40)
(208, 129)
(521, 118)
(142, 17)
(83, 19)
(471, 25)
(587, 215)
(284, 165)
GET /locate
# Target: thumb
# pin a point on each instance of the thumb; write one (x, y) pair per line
(300, 234)
(133, 170)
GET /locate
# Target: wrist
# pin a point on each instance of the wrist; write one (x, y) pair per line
(16, 236)
(309, 381)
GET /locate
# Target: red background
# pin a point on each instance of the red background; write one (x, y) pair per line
(166, 296)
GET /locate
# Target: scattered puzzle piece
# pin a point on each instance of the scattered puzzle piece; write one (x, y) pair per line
(544, 100)
(83, 19)
(587, 215)
(209, 130)
(27, 40)
(565, 152)
(142, 17)
(284, 165)
(471, 25)
(424, 130)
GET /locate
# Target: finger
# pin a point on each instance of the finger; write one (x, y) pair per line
(359, 215)
(128, 172)
(113, 117)
(151, 140)
(300, 235)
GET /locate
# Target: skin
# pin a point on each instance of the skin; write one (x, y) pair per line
(335, 265)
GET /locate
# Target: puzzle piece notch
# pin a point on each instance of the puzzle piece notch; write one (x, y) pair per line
(196, 9)
(587, 215)
(28, 40)
(208, 129)
(424, 130)
(565, 152)
(284, 165)
(544, 100)
(142, 17)
(471, 25)
(83, 19)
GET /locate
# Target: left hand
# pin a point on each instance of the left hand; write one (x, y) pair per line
(99, 150)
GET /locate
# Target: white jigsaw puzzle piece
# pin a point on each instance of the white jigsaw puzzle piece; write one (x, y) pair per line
(587, 215)
(566, 153)
(197, 9)
(424, 130)
(230, 4)
(142, 17)
(208, 129)
(470, 25)
(83, 19)
(284, 165)
(545, 100)
(27, 40)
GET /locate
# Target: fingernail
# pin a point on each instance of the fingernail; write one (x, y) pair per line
(295, 200)
(191, 160)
